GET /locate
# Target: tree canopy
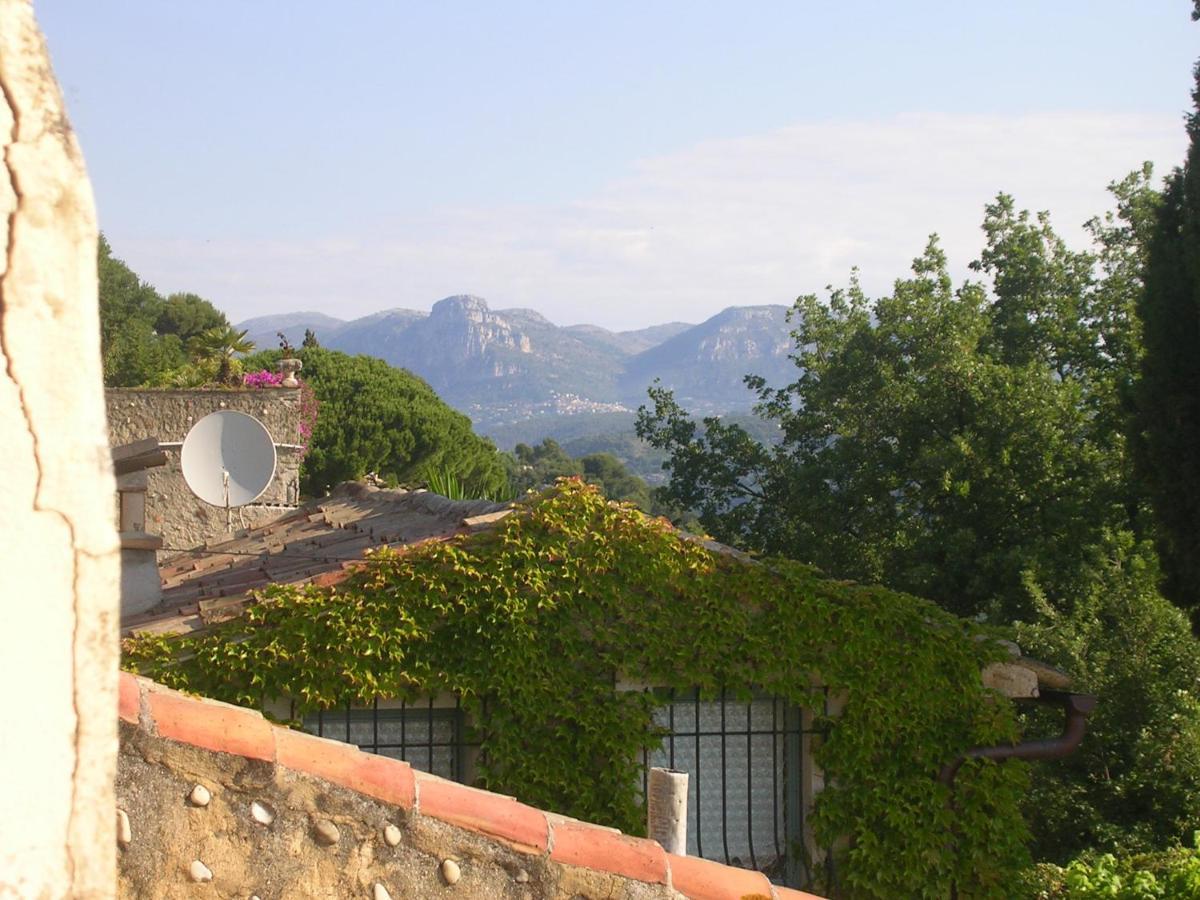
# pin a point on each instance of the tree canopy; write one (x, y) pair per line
(188, 315)
(956, 443)
(377, 418)
(143, 336)
(1134, 784)
(536, 467)
(1168, 421)
(970, 445)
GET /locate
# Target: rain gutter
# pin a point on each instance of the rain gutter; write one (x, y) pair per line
(1077, 708)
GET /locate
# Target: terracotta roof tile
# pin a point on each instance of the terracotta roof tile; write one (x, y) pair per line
(344, 764)
(784, 893)
(580, 844)
(316, 543)
(492, 814)
(701, 879)
(211, 725)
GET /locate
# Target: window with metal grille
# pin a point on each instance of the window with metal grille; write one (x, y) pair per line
(744, 763)
(427, 736)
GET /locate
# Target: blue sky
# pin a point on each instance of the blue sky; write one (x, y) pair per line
(617, 163)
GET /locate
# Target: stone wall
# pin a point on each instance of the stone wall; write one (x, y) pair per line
(172, 510)
(58, 545)
(215, 801)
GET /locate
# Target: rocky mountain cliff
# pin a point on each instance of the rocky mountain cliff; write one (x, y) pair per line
(507, 366)
(706, 365)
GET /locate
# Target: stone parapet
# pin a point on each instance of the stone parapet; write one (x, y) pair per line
(172, 510)
(209, 792)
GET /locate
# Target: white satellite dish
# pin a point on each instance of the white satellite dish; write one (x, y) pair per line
(228, 458)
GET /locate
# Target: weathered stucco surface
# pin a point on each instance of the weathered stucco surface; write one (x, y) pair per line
(58, 544)
(173, 511)
(286, 858)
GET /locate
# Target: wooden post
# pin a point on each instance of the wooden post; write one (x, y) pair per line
(666, 809)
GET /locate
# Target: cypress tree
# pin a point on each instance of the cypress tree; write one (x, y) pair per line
(1168, 398)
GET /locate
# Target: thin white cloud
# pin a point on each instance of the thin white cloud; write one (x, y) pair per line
(756, 219)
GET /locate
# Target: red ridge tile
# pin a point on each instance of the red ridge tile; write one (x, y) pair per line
(578, 844)
(389, 780)
(230, 729)
(129, 698)
(482, 811)
(212, 725)
(702, 879)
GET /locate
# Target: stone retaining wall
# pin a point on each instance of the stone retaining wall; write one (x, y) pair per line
(172, 510)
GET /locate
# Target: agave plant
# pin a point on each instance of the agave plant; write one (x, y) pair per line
(449, 485)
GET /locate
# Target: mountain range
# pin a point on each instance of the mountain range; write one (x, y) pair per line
(509, 366)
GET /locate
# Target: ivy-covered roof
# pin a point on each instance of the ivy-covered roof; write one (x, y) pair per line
(530, 623)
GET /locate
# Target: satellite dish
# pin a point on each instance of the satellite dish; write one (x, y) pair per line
(228, 458)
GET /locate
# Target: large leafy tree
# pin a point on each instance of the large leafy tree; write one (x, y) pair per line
(377, 418)
(1168, 421)
(188, 315)
(616, 481)
(959, 443)
(532, 468)
(142, 336)
(1134, 784)
(969, 445)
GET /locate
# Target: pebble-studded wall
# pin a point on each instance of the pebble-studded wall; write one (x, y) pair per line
(193, 823)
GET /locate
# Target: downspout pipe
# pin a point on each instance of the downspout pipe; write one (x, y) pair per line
(1077, 708)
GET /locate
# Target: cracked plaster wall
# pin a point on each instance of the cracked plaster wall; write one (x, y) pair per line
(58, 545)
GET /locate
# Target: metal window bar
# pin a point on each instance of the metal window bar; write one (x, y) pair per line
(429, 737)
(831, 875)
(760, 827)
(750, 812)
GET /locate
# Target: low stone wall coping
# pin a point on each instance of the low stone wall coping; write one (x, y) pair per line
(223, 728)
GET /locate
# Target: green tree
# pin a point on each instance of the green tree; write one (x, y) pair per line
(143, 337)
(969, 445)
(1134, 784)
(132, 351)
(949, 442)
(1168, 421)
(537, 467)
(188, 315)
(310, 340)
(609, 474)
(376, 418)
